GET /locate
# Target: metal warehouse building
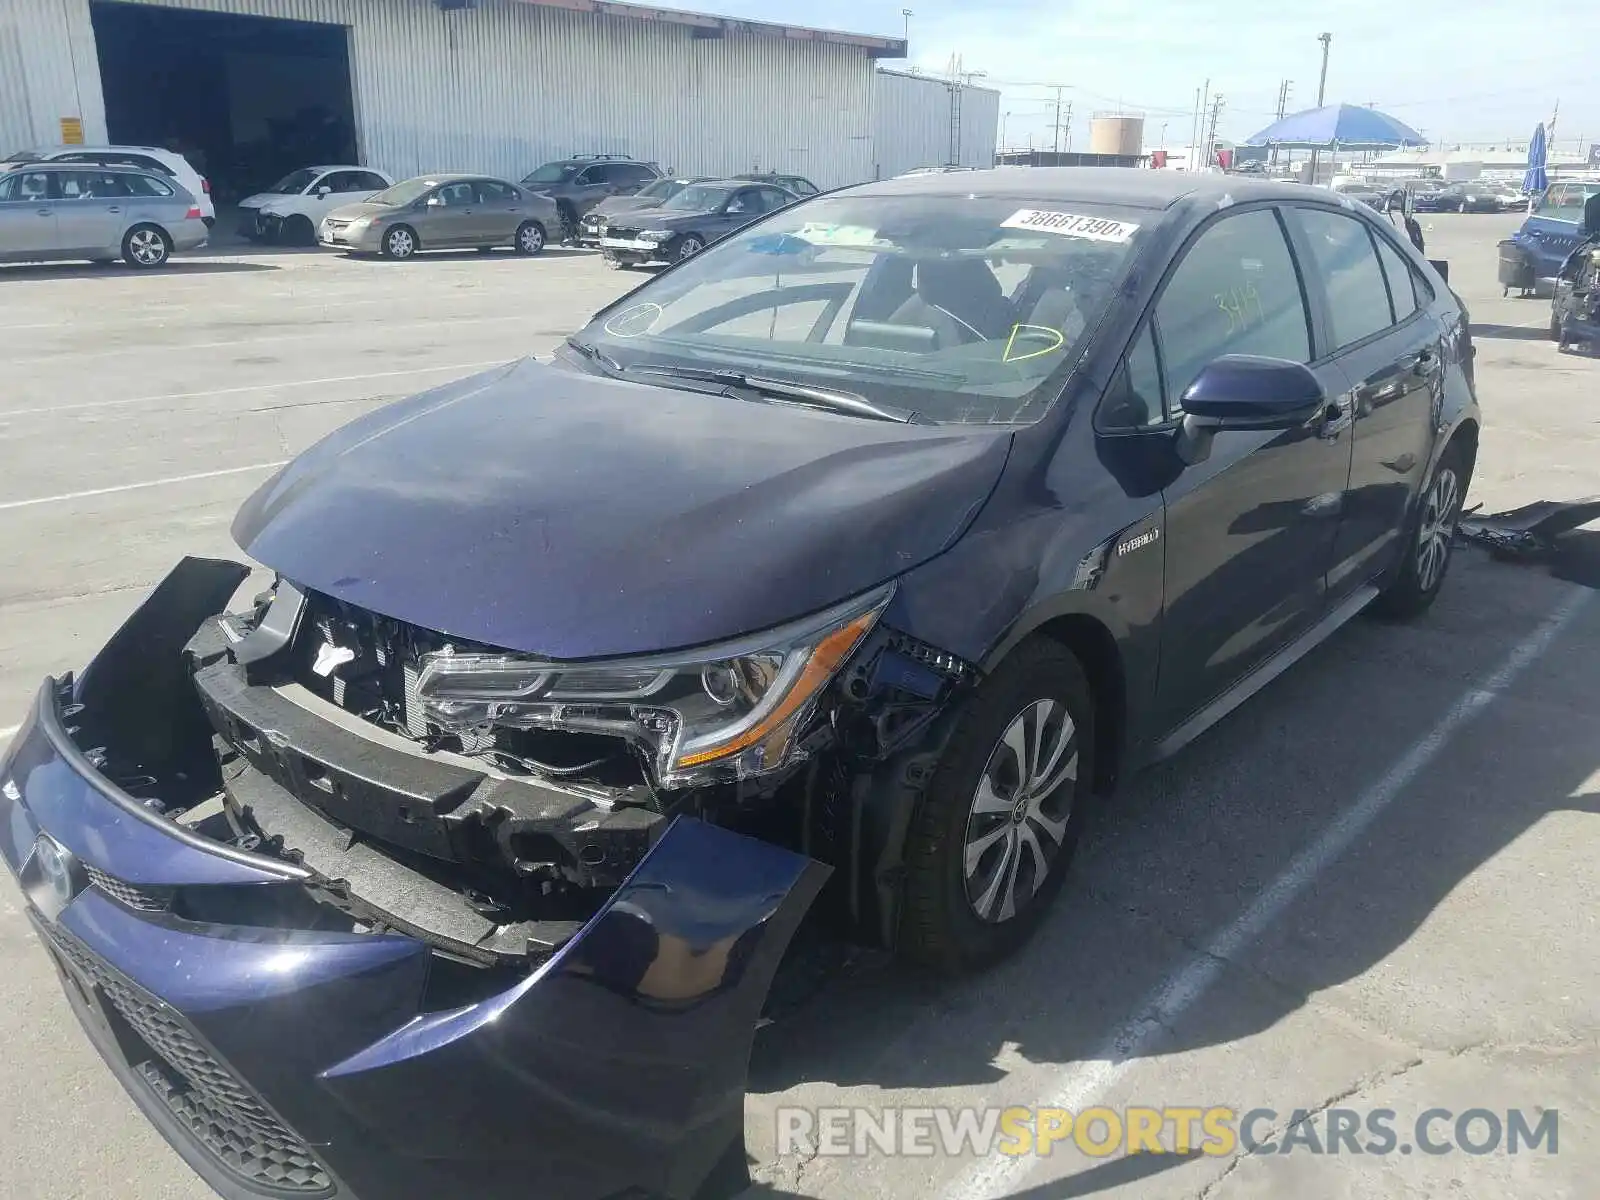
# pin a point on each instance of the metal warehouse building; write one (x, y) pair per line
(250, 89)
(923, 121)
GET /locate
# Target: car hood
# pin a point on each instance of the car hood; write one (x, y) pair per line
(544, 510)
(659, 217)
(617, 204)
(260, 198)
(349, 212)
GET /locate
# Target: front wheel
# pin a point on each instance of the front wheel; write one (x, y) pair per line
(1430, 541)
(996, 829)
(399, 243)
(299, 231)
(688, 246)
(146, 246)
(530, 238)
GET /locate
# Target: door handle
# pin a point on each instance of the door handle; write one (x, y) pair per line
(44, 212)
(113, 208)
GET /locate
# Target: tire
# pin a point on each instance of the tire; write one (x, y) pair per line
(530, 239)
(1429, 540)
(145, 247)
(399, 243)
(299, 231)
(990, 806)
(687, 246)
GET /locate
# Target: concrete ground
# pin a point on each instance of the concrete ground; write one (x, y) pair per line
(1371, 887)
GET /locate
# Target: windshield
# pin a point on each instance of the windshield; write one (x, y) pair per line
(660, 189)
(554, 172)
(696, 198)
(404, 193)
(294, 182)
(962, 309)
(22, 156)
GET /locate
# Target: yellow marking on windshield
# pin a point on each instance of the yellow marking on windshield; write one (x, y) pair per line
(1043, 330)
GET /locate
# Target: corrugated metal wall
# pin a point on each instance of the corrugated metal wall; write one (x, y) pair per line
(912, 125)
(506, 86)
(48, 70)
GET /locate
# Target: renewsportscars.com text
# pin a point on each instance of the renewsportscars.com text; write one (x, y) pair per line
(1100, 1132)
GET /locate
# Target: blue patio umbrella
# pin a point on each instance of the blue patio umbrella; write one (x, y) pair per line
(1338, 127)
(1534, 180)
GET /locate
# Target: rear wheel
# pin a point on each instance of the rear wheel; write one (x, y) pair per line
(530, 238)
(400, 242)
(1001, 817)
(146, 246)
(1431, 539)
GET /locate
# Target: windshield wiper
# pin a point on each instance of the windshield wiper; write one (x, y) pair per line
(845, 402)
(606, 363)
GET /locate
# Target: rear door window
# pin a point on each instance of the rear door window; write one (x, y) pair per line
(1236, 291)
(495, 192)
(1402, 280)
(1346, 262)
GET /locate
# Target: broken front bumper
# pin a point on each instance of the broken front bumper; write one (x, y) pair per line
(285, 1059)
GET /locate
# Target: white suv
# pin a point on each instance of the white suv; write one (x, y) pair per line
(292, 209)
(149, 158)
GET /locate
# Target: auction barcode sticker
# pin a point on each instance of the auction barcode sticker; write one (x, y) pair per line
(1098, 229)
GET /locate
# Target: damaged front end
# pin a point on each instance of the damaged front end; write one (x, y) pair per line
(353, 908)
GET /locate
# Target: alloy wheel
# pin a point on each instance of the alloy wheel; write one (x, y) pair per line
(690, 247)
(1438, 526)
(531, 239)
(147, 246)
(401, 244)
(1019, 812)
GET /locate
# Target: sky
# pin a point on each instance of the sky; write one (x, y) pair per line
(1457, 70)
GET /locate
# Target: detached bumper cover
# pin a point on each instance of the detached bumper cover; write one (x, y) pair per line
(299, 1062)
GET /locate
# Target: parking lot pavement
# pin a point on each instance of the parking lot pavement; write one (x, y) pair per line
(1370, 887)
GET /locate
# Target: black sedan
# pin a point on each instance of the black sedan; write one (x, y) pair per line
(691, 220)
(652, 195)
(1467, 197)
(869, 548)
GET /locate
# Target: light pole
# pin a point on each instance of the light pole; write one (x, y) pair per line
(907, 14)
(1004, 117)
(1322, 88)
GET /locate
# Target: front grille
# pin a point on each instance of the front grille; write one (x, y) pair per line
(145, 899)
(617, 231)
(213, 1105)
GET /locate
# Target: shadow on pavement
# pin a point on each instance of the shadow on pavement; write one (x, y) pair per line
(1186, 846)
(1512, 333)
(184, 264)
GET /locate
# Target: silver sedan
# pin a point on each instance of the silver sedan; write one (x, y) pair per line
(59, 211)
(441, 212)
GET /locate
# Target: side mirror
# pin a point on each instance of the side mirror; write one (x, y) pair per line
(1246, 392)
(435, 202)
(324, 190)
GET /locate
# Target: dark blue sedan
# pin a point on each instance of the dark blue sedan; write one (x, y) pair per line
(841, 562)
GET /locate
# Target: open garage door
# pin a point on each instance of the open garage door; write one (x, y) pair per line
(246, 99)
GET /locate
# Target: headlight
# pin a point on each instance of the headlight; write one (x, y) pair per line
(724, 712)
(654, 235)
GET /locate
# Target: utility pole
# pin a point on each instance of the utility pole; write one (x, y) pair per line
(1283, 107)
(1199, 117)
(1211, 130)
(1059, 90)
(1322, 90)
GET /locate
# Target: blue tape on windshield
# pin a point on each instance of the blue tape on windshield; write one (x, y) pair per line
(777, 243)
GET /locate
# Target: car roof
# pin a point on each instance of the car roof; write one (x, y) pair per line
(1127, 186)
(48, 165)
(105, 150)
